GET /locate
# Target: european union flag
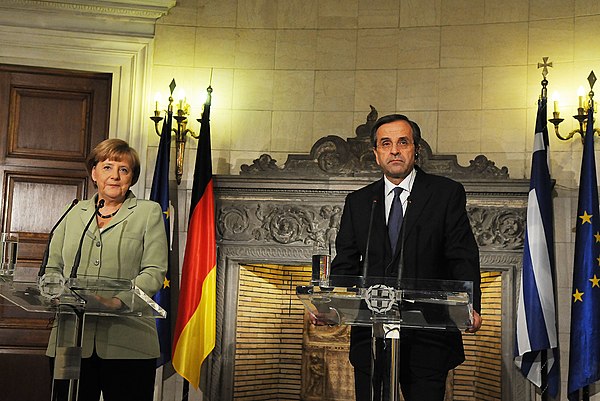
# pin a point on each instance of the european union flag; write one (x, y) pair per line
(536, 311)
(584, 353)
(160, 193)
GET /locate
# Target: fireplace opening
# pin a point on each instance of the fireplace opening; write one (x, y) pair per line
(480, 376)
(270, 326)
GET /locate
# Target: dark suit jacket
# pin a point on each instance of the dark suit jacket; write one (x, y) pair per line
(438, 244)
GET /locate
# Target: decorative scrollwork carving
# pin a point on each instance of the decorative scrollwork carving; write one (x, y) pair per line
(482, 166)
(498, 228)
(232, 221)
(265, 163)
(284, 224)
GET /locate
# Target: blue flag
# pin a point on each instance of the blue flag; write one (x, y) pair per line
(584, 353)
(536, 329)
(160, 194)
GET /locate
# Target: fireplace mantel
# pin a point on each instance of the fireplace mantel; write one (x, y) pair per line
(284, 214)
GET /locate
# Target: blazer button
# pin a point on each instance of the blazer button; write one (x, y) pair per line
(96, 262)
(98, 244)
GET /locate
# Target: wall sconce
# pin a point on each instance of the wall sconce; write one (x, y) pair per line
(181, 131)
(581, 115)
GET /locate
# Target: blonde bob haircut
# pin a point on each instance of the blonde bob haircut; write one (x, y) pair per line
(118, 150)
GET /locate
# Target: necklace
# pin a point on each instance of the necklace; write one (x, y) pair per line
(108, 216)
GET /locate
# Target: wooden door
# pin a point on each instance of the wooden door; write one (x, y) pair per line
(49, 121)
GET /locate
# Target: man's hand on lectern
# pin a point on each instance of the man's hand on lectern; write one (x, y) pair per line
(477, 320)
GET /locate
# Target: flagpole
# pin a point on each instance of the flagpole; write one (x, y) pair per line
(185, 391)
(586, 393)
(544, 386)
(544, 352)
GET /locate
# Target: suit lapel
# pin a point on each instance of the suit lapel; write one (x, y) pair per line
(125, 210)
(379, 236)
(419, 196)
(85, 214)
(379, 233)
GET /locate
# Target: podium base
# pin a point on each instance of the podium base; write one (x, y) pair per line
(67, 363)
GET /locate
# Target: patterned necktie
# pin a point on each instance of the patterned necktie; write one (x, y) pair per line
(395, 219)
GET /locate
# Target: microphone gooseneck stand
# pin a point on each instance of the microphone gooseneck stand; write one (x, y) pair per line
(77, 258)
(365, 266)
(44, 263)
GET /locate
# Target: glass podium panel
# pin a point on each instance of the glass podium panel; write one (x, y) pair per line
(89, 294)
(414, 303)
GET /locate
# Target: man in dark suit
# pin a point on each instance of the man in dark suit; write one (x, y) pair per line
(437, 244)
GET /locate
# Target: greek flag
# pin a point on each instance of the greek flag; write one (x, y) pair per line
(536, 312)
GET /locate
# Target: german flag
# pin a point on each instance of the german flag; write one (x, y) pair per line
(195, 329)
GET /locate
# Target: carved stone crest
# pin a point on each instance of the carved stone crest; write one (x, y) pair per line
(334, 156)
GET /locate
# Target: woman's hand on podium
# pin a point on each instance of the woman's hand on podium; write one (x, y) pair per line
(113, 303)
(477, 321)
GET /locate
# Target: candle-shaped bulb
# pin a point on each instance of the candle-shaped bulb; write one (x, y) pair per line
(181, 96)
(580, 94)
(555, 99)
(156, 100)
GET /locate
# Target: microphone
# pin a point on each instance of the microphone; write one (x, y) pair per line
(47, 251)
(365, 266)
(77, 259)
(402, 236)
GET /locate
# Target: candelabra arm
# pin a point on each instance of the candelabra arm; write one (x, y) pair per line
(157, 119)
(568, 137)
(193, 134)
(556, 122)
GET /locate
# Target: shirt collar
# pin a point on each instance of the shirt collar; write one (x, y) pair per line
(406, 183)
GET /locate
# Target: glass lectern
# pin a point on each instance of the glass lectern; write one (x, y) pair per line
(388, 305)
(70, 300)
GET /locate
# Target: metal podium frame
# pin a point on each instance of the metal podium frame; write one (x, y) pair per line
(388, 305)
(75, 298)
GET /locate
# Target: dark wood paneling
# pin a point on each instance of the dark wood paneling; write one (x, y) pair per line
(33, 201)
(61, 111)
(53, 117)
(49, 121)
(28, 377)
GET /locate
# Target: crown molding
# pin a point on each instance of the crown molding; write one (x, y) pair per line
(121, 17)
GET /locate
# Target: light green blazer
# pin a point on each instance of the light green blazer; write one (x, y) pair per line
(132, 246)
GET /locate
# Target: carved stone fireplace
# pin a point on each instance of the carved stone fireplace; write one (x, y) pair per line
(280, 215)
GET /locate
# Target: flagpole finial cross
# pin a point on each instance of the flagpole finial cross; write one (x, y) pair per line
(545, 66)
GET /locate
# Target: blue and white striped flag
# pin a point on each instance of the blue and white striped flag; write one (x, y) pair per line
(536, 312)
